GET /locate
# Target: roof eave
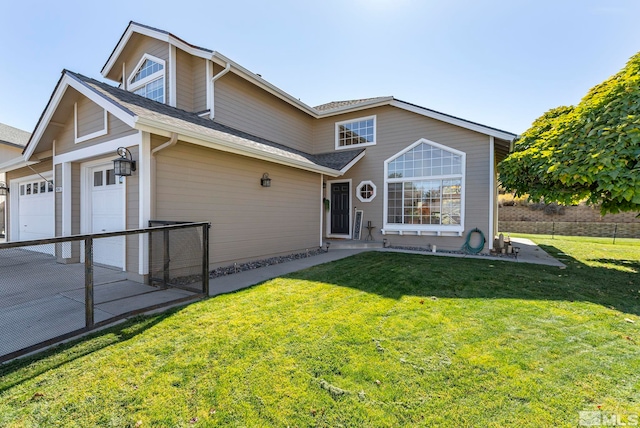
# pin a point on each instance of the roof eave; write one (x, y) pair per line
(358, 107)
(68, 80)
(263, 84)
(159, 35)
(193, 137)
(497, 133)
(15, 163)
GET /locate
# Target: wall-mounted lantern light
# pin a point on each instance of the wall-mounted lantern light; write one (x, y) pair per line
(265, 181)
(4, 189)
(125, 164)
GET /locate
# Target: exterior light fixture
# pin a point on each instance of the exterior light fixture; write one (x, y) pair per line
(265, 181)
(516, 250)
(4, 189)
(124, 165)
(327, 245)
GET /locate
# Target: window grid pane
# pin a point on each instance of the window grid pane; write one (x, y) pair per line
(358, 132)
(148, 68)
(420, 199)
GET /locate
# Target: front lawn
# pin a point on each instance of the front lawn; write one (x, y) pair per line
(378, 339)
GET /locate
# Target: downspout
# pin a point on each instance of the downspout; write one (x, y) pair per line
(171, 142)
(213, 79)
(152, 186)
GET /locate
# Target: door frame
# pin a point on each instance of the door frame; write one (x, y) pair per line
(86, 180)
(328, 196)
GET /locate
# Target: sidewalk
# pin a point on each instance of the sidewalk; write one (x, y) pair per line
(240, 280)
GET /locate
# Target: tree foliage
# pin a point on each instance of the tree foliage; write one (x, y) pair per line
(590, 151)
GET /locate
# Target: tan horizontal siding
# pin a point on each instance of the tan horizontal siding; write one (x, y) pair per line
(46, 166)
(137, 47)
(8, 152)
(396, 130)
(246, 107)
(65, 140)
(248, 221)
(199, 69)
(90, 117)
(184, 81)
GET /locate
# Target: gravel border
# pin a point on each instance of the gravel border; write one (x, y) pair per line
(241, 267)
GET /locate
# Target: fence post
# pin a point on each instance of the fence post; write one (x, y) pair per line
(88, 282)
(167, 259)
(615, 232)
(205, 259)
(150, 261)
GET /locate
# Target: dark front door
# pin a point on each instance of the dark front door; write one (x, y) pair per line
(340, 208)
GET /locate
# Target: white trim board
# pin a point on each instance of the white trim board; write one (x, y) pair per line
(106, 148)
(80, 139)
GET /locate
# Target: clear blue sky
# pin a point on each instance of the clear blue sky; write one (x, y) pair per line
(498, 62)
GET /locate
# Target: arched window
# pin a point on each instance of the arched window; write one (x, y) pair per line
(424, 189)
(148, 78)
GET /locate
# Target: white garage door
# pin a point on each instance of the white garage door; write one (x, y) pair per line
(107, 215)
(35, 208)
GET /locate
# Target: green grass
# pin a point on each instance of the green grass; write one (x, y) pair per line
(379, 339)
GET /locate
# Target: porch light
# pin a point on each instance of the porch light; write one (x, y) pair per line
(4, 189)
(124, 165)
(265, 181)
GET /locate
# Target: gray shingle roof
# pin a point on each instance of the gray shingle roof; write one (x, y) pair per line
(13, 136)
(337, 105)
(191, 122)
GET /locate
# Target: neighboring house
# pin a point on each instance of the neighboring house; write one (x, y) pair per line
(12, 142)
(203, 131)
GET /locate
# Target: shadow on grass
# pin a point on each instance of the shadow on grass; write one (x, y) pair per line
(394, 275)
(67, 352)
(627, 264)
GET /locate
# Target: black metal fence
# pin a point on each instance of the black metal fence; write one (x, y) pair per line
(56, 288)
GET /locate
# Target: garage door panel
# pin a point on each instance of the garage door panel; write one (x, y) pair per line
(36, 213)
(107, 215)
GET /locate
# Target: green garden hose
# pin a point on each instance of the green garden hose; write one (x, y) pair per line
(467, 248)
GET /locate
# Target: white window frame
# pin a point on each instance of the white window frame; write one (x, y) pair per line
(359, 189)
(134, 86)
(425, 229)
(360, 119)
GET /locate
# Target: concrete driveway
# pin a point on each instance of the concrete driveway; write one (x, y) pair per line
(41, 299)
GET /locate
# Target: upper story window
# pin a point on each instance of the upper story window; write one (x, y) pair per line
(424, 189)
(357, 132)
(148, 78)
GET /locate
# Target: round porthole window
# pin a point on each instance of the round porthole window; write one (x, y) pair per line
(366, 191)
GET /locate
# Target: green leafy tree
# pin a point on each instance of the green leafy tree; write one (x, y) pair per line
(590, 151)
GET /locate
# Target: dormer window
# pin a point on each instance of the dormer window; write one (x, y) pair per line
(148, 78)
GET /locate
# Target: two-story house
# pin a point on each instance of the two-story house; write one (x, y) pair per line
(215, 142)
